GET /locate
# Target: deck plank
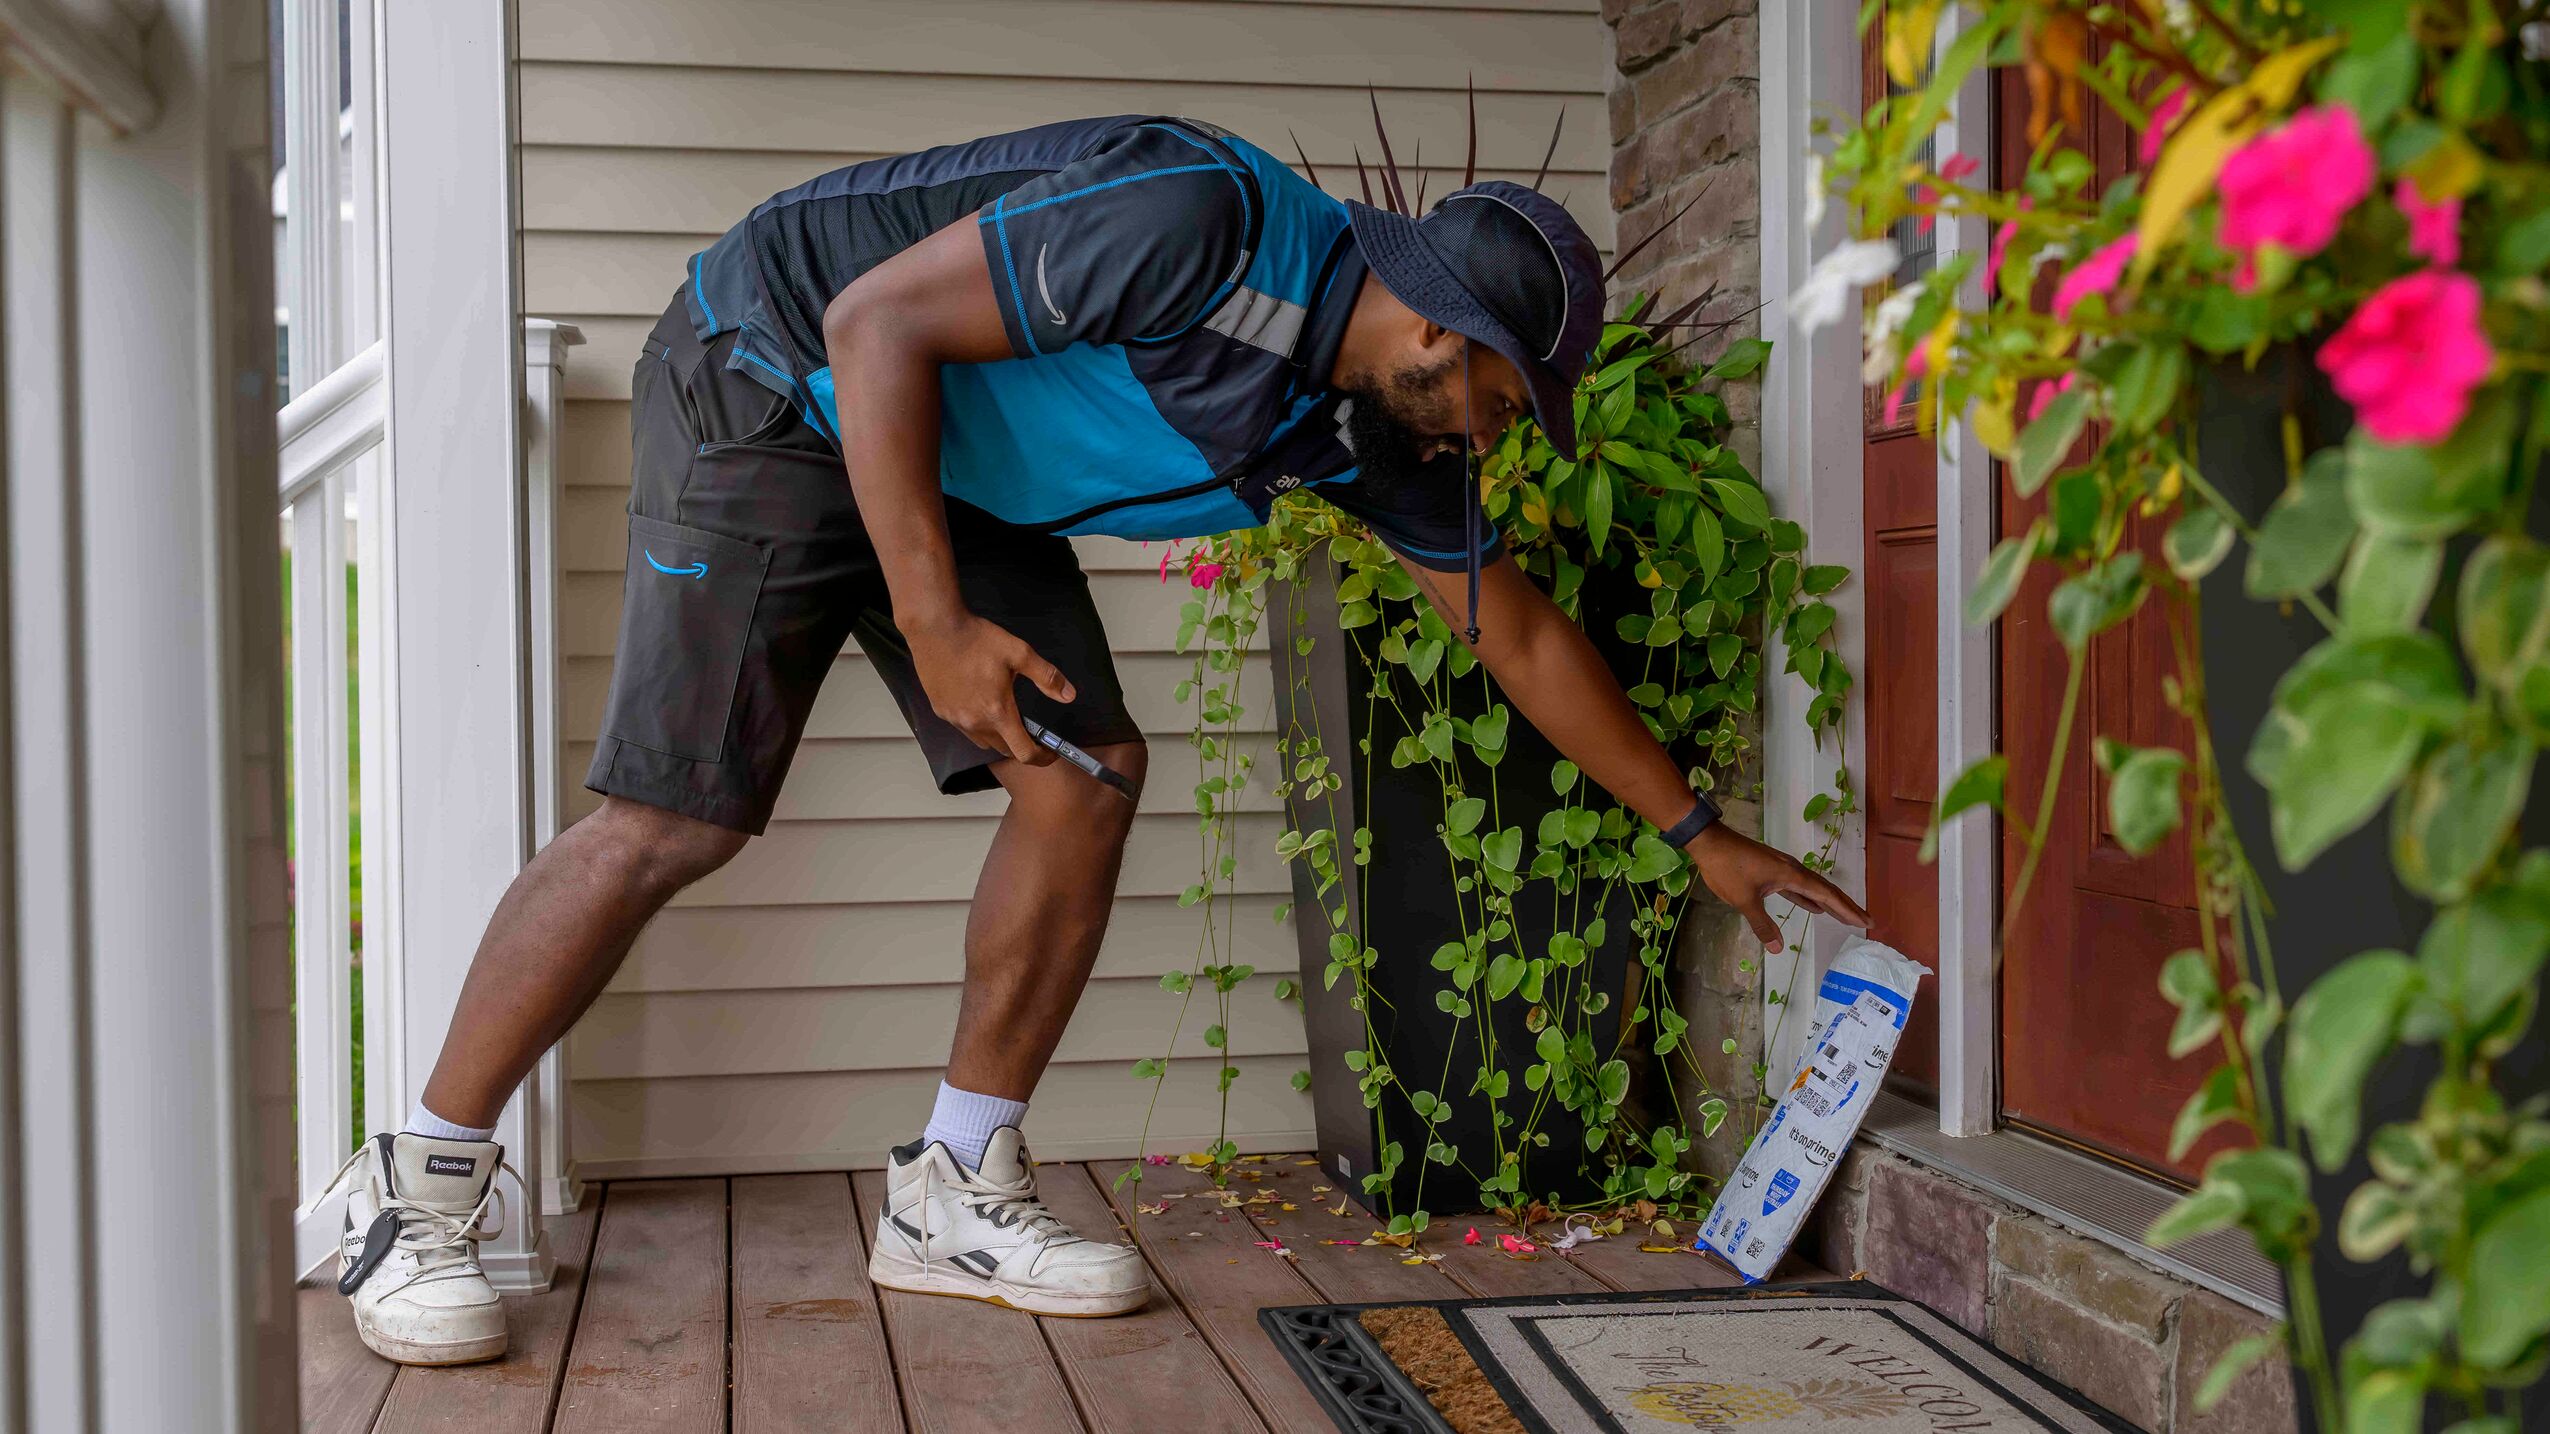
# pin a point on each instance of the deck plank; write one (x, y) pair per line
(1345, 1274)
(810, 1349)
(1209, 1259)
(342, 1382)
(649, 1351)
(1147, 1371)
(512, 1395)
(967, 1365)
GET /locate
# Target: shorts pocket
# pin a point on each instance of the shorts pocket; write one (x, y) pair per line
(686, 618)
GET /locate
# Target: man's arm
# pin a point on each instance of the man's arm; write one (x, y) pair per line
(1551, 670)
(886, 336)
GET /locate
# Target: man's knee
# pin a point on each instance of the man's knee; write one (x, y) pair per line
(663, 850)
(1069, 795)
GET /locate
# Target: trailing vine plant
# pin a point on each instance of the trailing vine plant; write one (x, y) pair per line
(2363, 188)
(1661, 498)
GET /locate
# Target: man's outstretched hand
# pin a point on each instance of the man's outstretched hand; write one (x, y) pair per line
(1742, 872)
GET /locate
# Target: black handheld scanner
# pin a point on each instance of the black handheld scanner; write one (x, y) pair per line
(1065, 749)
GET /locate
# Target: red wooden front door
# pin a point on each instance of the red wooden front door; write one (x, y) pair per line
(2084, 1029)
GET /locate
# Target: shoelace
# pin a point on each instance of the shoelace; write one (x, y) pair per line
(983, 1196)
(442, 1241)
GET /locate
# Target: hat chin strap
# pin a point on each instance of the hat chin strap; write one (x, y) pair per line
(1469, 494)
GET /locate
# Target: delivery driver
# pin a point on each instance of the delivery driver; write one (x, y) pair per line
(1142, 326)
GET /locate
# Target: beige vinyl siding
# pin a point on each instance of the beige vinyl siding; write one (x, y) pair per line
(793, 1010)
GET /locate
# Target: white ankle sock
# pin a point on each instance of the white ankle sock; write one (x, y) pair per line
(964, 1120)
(421, 1121)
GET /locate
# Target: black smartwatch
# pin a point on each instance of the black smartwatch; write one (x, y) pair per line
(1681, 833)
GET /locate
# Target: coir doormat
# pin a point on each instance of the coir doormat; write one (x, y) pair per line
(1767, 1360)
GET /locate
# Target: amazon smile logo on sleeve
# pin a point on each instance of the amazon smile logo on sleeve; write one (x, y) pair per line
(694, 571)
(1043, 290)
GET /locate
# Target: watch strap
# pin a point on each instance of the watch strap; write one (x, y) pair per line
(1681, 833)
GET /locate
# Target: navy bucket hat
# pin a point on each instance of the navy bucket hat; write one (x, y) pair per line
(1507, 266)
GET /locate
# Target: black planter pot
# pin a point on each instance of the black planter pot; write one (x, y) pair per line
(1405, 906)
(2348, 900)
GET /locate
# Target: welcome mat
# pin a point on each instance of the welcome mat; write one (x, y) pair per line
(1767, 1360)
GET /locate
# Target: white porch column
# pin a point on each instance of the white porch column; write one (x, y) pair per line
(455, 541)
(144, 956)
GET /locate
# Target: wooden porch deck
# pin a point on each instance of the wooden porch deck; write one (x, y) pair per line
(710, 1304)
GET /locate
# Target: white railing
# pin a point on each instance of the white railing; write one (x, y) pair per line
(332, 498)
(322, 435)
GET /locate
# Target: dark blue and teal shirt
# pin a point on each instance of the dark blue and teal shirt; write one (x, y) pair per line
(1174, 297)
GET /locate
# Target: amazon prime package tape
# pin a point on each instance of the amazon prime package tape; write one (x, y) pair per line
(1860, 1008)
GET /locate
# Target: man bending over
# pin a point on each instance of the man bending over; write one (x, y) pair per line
(1141, 326)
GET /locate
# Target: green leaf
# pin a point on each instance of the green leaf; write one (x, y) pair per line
(1979, 785)
(2236, 1360)
(2458, 808)
(1612, 1081)
(1487, 730)
(1562, 777)
(1599, 486)
(2090, 602)
(2378, 82)
(1651, 859)
(2043, 444)
(1301, 1080)
(2002, 571)
(1463, 816)
(2507, 1304)
(2478, 953)
(1503, 850)
(2142, 798)
(2373, 1222)
(2422, 492)
(2214, 1102)
(2187, 979)
(1822, 578)
(2339, 1028)
(1423, 658)
(2148, 385)
(2306, 532)
(2200, 1211)
(1743, 503)
(2388, 581)
(2504, 618)
(1740, 360)
(2341, 760)
(2525, 246)
(2197, 543)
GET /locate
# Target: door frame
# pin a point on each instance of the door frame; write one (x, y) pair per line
(1811, 400)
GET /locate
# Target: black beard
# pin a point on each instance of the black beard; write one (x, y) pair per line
(1387, 447)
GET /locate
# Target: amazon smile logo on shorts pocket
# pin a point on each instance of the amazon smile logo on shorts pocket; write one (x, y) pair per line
(695, 571)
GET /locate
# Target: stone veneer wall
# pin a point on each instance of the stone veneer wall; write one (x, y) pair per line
(1686, 120)
(2126, 1335)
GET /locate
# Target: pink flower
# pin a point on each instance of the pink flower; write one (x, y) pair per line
(2096, 274)
(2290, 186)
(1203, 575)
(1514, 1245)
(1916, 363)
(1164, 560)
(2434, 230)
(2156, 132)
(2409, 358)
(2046, 391)
(1471, 1238)
(1957, 168)
(2001, 240)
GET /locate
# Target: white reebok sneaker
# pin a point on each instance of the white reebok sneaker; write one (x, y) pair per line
(983, 1234)
(409, 1259)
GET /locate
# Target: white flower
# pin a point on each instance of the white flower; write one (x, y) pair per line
(2179, 16)
(1837, 280)
(1893, 312)
(1814, 192)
